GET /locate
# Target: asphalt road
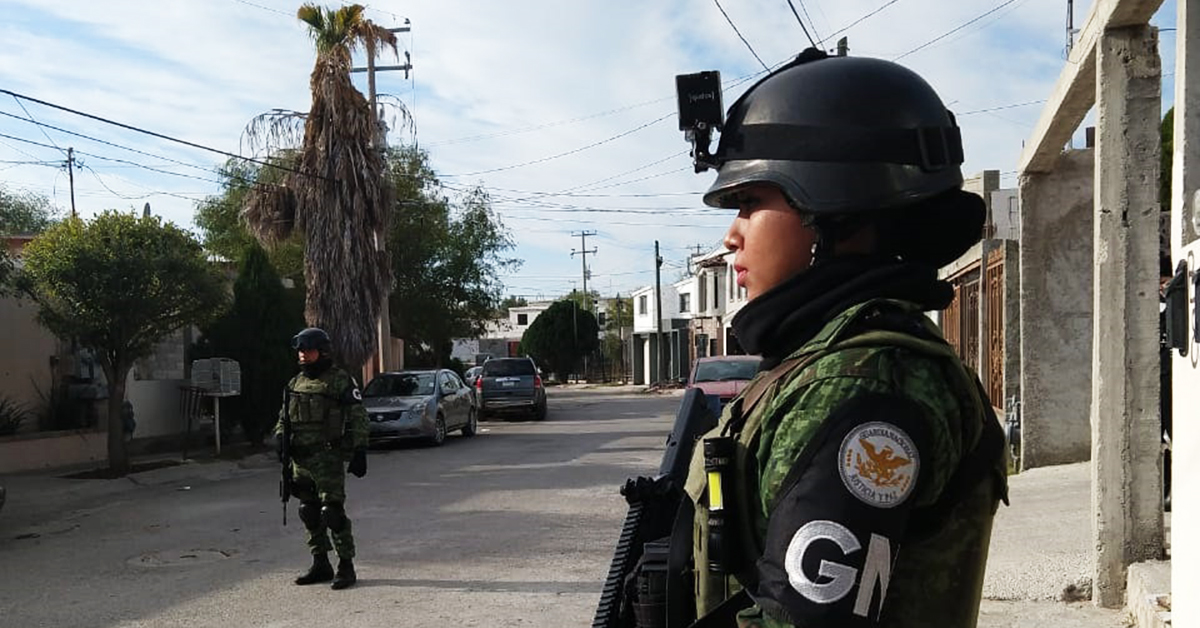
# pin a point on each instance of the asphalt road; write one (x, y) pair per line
(513, 527)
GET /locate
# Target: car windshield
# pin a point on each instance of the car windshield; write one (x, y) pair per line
(721, 370)
(401, 385)
(507, 368)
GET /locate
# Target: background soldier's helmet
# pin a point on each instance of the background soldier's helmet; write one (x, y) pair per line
(312, 338)
(849, 137)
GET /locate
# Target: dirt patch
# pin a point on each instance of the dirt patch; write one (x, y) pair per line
(109, 474)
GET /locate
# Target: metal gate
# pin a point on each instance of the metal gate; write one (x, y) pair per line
(961, 320)
(994, 318)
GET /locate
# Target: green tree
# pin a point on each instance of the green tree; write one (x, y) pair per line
(508, 303)
(560, 336)
(118, 284)
(256, 331)
(25, 213)
(620, 318)
(223, 229)
(447, 260)
(21, 213)
(337, 196)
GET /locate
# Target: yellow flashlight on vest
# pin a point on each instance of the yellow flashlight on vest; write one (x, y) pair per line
(718, 459)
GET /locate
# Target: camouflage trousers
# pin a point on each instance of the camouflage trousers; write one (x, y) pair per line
(320, 480)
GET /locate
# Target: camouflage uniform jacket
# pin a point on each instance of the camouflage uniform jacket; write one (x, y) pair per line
(879, 509)
(326, 413)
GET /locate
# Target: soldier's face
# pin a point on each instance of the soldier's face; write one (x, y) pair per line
(308, 356)
(770, 240)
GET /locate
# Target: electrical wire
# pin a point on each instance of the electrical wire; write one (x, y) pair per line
(161, 136)
(560, 155)
(802, 27)
(955, 29)
(105, 142)
(739, 34)
(855, 22)
(47, 135)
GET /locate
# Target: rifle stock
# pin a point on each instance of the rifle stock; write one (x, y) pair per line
(653, 503)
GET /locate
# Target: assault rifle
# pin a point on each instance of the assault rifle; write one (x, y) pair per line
(285, 454)
(653, 505)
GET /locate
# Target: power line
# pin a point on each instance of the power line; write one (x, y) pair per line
(955, 29)
(855, 22)
(47, 135)
(265, 8)
(159, 135)
(802, 27)
(570, 152)
(990, 109)
(739, 34)
(105, 142)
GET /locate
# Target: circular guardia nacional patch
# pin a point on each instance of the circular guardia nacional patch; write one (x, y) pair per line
(878, 463)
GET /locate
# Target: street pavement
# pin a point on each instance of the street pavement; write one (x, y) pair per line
(513, 527)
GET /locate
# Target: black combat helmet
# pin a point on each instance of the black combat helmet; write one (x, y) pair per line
(312, 338)
(853, 136)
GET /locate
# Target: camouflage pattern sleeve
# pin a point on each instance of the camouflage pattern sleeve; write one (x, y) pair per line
(283, 408)
(356, 428)
(357, 425)
(802, 404)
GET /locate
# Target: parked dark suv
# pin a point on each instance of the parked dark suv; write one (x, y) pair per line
(510, 386)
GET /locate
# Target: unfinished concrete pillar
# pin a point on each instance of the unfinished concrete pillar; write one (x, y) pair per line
(1012, 322)
(1126, 500)
(1056, 311)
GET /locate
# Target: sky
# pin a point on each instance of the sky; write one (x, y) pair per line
(563, 111)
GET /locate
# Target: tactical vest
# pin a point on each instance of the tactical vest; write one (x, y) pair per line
(316, 411)
(959, 554)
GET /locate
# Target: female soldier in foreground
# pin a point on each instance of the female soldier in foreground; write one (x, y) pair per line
(865, 465)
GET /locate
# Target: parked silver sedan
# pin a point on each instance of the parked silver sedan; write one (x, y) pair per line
(419, 404)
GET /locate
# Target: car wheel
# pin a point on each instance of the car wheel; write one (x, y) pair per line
(539, 413)
(472, 426)
(439, 431)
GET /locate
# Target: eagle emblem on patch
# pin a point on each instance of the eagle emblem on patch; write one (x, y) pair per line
(878, 463)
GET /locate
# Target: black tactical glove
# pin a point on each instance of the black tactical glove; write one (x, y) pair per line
(358, 463)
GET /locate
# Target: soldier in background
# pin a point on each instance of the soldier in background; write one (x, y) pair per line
(328, 427)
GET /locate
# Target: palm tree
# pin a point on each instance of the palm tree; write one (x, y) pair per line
(336, 194)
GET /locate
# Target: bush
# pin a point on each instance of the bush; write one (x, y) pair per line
(257, 332)
(12, 415)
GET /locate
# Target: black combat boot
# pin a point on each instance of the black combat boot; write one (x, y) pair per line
(321, 571)
(345, 575)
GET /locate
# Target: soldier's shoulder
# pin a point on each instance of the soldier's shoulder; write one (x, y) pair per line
(341, 377)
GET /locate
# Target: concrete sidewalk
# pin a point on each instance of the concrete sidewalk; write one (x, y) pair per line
(1039, 567)
(1038, 571)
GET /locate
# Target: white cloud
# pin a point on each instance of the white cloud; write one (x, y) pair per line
(496, 85)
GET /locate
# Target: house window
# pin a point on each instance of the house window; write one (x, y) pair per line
(600, 319)
(685, 303)
(702, 300)
(642, 302)
(716, 292)
(522, 319)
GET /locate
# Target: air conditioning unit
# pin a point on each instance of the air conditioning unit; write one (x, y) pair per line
(217, 376)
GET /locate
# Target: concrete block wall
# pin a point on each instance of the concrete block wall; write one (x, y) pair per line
(1056, 290)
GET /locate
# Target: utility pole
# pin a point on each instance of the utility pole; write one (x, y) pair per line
(71, 178)
(584, 253)
(658, 262)
(1070, 26)
(384, 325)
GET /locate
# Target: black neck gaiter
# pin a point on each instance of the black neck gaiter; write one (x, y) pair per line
(785, 317)
(316, 369)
